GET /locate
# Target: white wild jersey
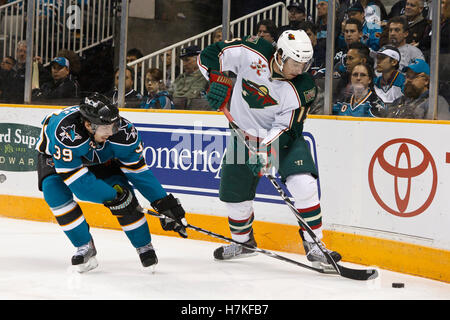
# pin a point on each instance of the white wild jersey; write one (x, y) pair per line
(263, 103)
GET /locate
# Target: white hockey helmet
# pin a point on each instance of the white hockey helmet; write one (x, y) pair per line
(295, 44)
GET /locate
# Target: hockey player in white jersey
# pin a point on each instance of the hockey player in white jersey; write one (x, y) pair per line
(270, 101)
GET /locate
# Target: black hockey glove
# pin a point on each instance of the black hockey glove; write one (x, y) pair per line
(174, 213)
(124, 204)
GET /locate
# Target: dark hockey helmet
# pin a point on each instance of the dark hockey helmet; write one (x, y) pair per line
(98, 109)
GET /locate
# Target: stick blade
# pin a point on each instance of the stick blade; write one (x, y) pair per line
(355, 274)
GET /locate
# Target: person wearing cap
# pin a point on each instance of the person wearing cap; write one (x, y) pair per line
(398, 32)
(62, 85)
(389, 85)
(415, 102)
(296, 14)
(371, 32)
(190, 84)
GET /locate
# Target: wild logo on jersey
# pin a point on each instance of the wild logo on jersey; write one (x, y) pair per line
(257, 96)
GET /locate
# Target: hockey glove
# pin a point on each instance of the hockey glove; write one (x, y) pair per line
(174, 213)
(219, 92)
(261, 160)
(124, 204)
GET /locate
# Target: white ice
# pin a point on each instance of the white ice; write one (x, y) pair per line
(35, 264)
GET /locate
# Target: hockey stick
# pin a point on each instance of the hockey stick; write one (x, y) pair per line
(255, 249)
(341, 270)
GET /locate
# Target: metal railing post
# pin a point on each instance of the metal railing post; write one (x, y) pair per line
(29, 59)
(434, 61)
(328, 94)
(226, 19)
(123, 52)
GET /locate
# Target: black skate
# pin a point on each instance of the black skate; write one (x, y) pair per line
(235, 251)
(147, 255)
(84, 259)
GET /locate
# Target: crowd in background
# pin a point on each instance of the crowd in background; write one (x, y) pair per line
(381, 64)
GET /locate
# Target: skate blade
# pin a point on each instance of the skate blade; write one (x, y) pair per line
(88, 266)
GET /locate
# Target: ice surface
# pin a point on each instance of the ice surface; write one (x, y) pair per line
(35, 264)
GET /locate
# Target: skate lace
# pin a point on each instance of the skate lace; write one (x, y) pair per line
(316, 249)
(83, 250)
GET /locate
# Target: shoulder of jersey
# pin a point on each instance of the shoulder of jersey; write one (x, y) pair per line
(70, 131)
(127, 133)
(305, 86)
(259, 44)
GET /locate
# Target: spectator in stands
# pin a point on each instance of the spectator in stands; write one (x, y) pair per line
(157, 97)
(363, 102)
(445, 31)
(17, 88)
(415, 102)
(296, 14)
(191, 83)
(371, 32)
(357, 53)
(389, 85)
(322, 14)
(7, 63)
(132, 97)
(62, 86)
(267, 30)
(217, 35)
(398, 31)
(374, 11)
(398, 9)
(6, 77)
(74, 61)
(319, 46)
(417, 24)
(352, 34)
(168, 56)
(133, 54)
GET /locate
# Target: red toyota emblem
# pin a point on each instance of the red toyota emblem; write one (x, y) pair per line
(409, 172)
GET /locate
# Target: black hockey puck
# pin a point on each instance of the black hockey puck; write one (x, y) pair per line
(398, 285)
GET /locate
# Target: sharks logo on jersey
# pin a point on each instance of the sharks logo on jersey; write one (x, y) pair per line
(127, 133)
(69, 133)
(257, 96)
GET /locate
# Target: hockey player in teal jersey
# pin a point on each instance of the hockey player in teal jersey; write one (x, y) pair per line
(269, 102)
(91, 152)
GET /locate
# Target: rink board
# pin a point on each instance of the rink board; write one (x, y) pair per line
(383, 184)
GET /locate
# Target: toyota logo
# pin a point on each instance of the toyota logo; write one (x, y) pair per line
(412, 163)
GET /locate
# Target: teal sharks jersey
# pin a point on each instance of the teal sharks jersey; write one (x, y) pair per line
(65, 138)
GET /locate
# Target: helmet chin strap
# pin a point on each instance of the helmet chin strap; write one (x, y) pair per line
(276, 61)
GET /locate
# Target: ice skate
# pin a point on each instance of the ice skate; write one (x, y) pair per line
(317, 258)
(147, 255)
(235, 251)
(84, 259)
